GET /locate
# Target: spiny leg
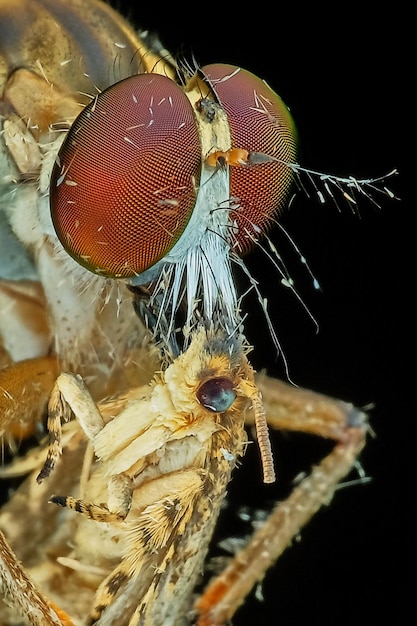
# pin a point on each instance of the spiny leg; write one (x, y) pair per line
(153, 536)
(119, 499)
(301, 410)
(69, 395)
(19, 589)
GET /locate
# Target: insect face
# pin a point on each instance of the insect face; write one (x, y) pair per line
(134, 194)
(132, 185)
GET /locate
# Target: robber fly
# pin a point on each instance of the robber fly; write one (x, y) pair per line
(129, 179)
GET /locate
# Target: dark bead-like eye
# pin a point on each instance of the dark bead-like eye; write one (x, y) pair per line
(124, 185)
(261, 124)
(217, 394)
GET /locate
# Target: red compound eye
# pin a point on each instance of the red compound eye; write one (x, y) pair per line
(259, 123)
(124, 185)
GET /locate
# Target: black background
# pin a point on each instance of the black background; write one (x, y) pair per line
(343, 72)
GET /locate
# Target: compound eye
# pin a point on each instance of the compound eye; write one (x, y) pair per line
(217, 394)
(259, 123)
(124, 185)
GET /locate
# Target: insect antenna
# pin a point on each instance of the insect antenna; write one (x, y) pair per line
(347, 187)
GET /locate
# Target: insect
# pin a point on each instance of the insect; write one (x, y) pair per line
(135, 523)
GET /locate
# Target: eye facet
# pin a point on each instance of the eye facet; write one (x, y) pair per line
(259, 123)
(124, 185)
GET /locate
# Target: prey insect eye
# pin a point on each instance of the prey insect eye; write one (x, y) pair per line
(261, 124)
(217, 394)
(124, 185)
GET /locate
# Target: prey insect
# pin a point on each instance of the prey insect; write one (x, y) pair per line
(127, 179)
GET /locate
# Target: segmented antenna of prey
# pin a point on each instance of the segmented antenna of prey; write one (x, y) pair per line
(262, 435)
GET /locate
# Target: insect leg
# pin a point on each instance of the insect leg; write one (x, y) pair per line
(119, 501)
(69, 394)
(27, 599)
(292, 409)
